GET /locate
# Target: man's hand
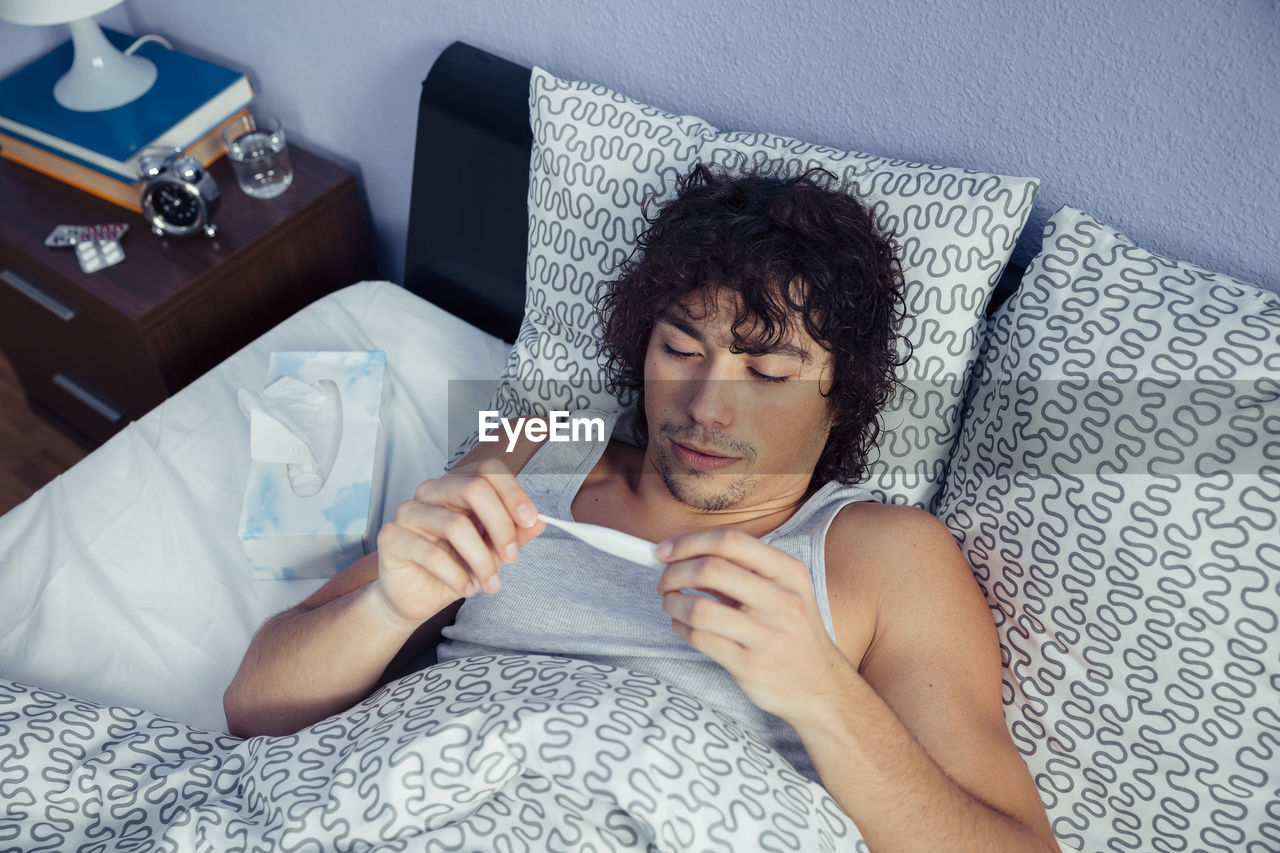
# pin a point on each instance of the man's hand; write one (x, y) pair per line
(326, 653)
(450, 539)
(764, 627)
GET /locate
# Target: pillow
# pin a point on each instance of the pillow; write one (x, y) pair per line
(598, 155)
(1115, 488)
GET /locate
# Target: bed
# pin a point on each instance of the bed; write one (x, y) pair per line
(1100, 437)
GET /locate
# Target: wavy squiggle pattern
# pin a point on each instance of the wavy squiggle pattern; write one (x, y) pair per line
(1116, 487)
(490, 753)
(598, 154)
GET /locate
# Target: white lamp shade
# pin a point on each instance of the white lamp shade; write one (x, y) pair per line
(43, 13)
(101, 77)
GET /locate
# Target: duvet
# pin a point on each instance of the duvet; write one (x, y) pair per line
(502, 753)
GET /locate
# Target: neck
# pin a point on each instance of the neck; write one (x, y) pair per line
(655, 513)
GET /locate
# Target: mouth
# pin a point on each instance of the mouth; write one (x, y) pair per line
(701, 459)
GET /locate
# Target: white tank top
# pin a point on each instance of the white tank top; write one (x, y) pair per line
(563, 597)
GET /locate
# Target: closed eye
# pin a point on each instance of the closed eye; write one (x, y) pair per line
(680, 354)
(767, 377)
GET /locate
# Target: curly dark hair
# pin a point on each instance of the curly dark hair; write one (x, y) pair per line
(760, 236)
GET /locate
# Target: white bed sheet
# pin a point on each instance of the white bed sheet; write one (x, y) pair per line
(123, 580)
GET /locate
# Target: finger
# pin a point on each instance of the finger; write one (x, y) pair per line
(723, 578)
(470, 491)
(456, 528)
(718, 596)
(724, 651)
(706, 614)
(517, 501)
(493, 517)
(404, 550)
(488, 490)
(738, 547)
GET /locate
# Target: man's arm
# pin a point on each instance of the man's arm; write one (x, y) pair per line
(913, 747)
(317, 658)
(325, 654)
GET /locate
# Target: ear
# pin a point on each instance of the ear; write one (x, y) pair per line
(826, 385)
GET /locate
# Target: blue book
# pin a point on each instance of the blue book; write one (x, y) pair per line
(190, 97)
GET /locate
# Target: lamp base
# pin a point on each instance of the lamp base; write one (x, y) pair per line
(101, 77)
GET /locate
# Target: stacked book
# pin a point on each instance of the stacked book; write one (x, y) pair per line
(190, 104)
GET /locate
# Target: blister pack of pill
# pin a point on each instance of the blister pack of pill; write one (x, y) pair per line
(95, 255)
(70, 235)
(97, 246)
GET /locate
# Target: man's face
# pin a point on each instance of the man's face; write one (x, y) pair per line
(728, 429)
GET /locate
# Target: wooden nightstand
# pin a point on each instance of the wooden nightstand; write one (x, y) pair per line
(99, 350)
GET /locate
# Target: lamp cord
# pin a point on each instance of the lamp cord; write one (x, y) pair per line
(140, 42)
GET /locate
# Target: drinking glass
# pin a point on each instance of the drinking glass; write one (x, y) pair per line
(260, 157)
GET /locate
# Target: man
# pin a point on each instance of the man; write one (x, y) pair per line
(756, 322)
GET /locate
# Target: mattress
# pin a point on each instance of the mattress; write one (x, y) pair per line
(123, 581)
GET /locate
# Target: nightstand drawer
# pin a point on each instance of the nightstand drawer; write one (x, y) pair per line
(101, 349)
(42, 319)
(96, 414)
(36, 291)
(41, 296)
(90, 396)
(71, 355)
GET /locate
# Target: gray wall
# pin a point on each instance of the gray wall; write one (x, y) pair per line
(1160, 118)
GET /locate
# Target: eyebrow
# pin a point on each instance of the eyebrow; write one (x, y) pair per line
(783, 349)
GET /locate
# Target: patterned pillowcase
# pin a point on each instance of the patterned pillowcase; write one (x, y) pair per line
(597, 155)
(1115, 488)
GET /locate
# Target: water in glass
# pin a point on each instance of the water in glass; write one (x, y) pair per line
(260, 160)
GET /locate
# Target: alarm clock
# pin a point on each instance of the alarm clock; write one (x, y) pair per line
(179, 197)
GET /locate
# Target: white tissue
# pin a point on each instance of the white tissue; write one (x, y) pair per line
(297, 424)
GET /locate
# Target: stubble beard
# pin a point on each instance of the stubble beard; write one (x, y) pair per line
(683, 486)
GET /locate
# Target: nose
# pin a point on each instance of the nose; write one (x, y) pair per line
(711, 400)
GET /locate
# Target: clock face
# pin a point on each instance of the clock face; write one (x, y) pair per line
(176, 205)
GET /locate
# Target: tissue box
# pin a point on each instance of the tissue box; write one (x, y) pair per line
(287, 536)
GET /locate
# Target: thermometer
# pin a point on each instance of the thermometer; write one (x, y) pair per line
(611, 541)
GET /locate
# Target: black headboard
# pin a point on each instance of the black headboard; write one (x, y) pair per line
(468, 220)
(468, 225)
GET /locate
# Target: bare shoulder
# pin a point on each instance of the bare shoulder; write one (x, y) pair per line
(907, 561)
(886, 533)
(885, 552)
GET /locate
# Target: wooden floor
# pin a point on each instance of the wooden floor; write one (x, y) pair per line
(32, 450)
